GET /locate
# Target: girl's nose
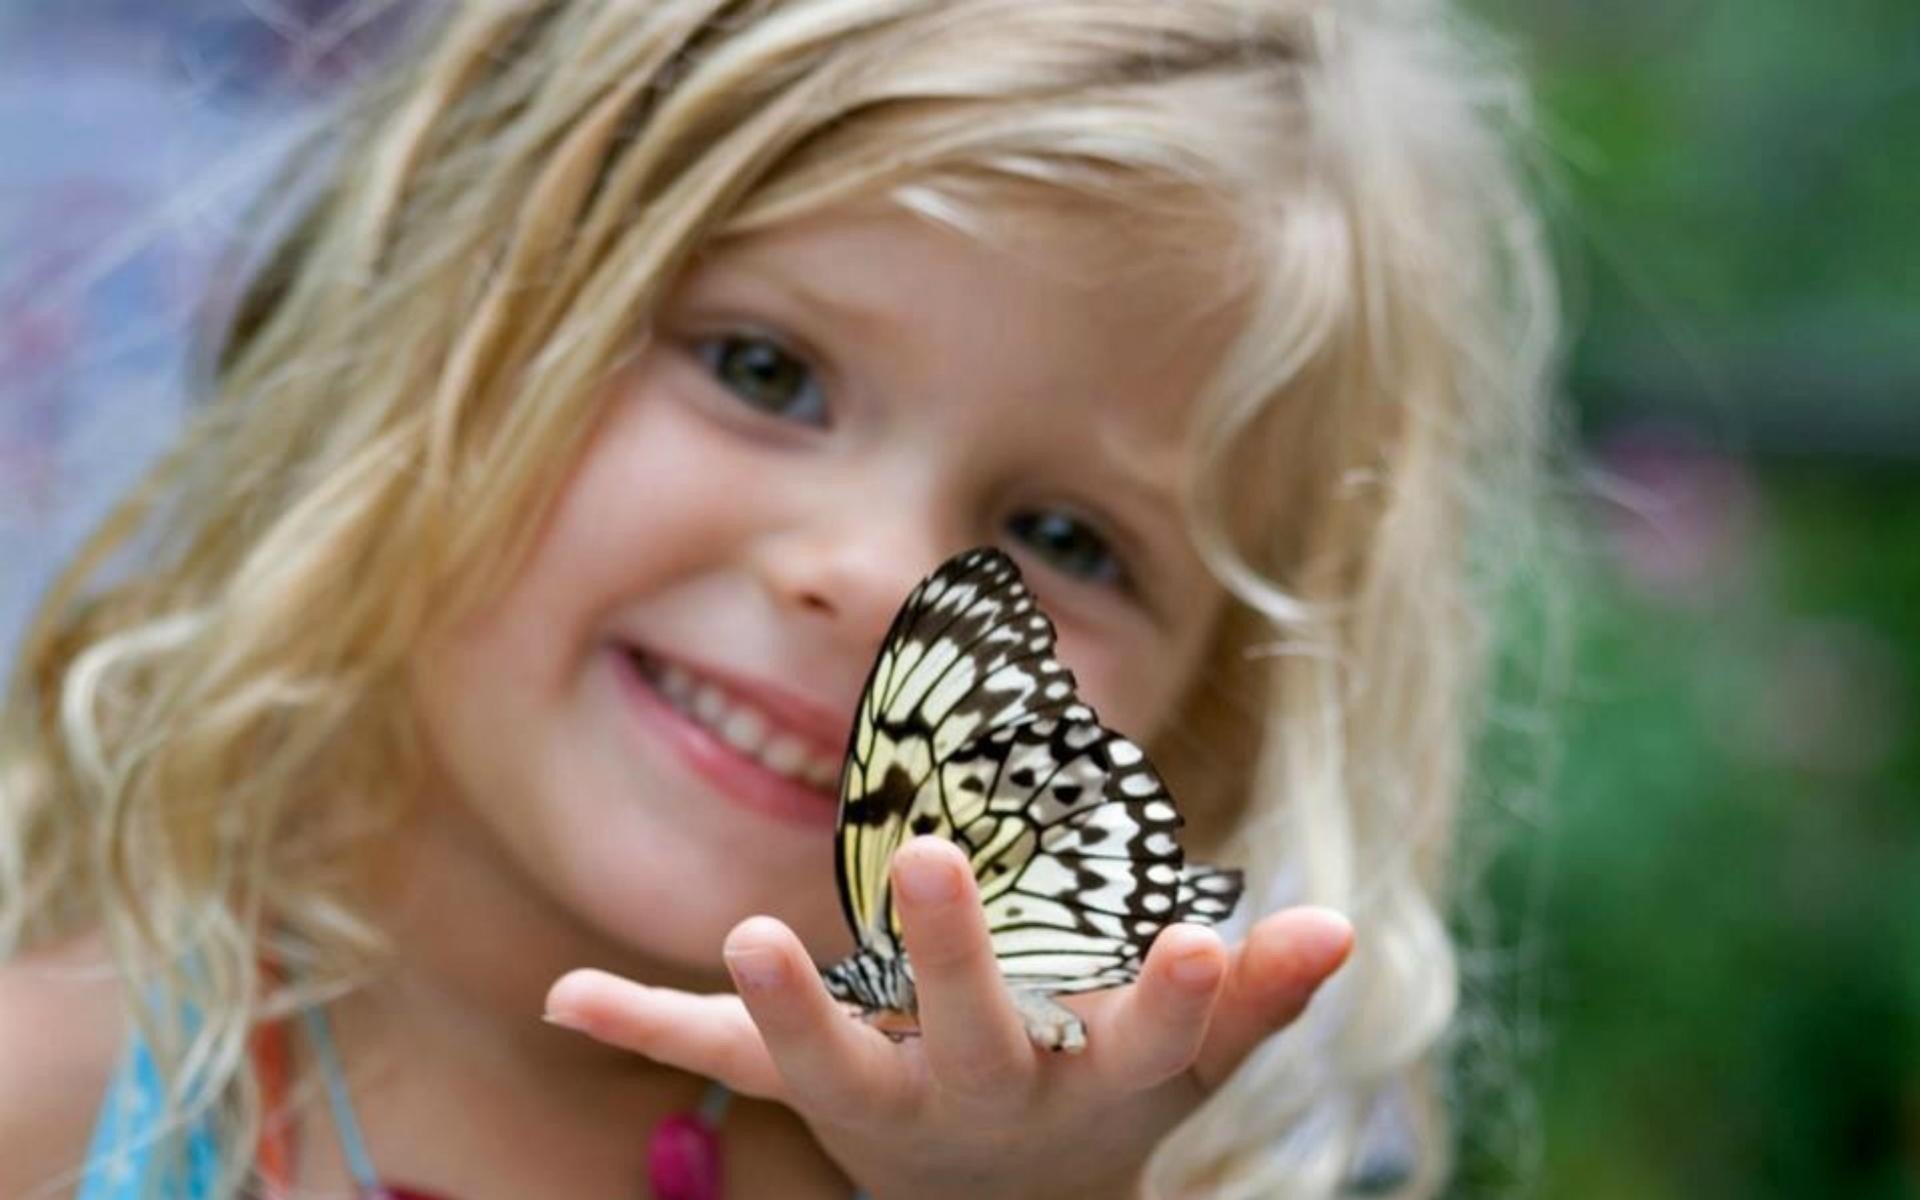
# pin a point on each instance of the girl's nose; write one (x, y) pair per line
(852, 582)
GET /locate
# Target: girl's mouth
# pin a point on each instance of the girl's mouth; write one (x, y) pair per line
(747, 752)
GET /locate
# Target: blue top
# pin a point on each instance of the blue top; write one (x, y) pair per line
(121, 1161)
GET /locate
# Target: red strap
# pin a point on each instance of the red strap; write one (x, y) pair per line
(273, 1155)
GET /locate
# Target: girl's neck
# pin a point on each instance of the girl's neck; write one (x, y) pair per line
(476, 945)
(457, 1014)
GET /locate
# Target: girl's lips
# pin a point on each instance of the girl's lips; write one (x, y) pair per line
(734, 775)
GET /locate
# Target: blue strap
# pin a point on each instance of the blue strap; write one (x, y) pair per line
(352, 1144)
(123, 1161)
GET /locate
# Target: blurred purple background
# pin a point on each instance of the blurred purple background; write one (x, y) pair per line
(131, 136)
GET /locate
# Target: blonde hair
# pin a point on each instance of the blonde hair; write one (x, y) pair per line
(208, 720)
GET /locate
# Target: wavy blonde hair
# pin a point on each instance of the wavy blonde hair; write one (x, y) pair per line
(208, 724)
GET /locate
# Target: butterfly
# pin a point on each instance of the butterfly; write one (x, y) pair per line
(971, 730)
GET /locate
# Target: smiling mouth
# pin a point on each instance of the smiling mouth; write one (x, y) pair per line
(749, 730)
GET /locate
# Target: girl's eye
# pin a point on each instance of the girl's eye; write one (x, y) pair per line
(764, 376)
(1068, 545)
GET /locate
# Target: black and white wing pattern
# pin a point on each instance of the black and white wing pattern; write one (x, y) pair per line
(970, 729)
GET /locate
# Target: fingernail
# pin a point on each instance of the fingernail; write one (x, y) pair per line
(564, 1000)
(1201, 970)
(755, 969)
(564, 1020)
(928, 881)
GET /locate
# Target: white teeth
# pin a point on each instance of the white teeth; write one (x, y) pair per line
(709, 703)
(820, 773)
(675, 684)
(743, 727)
(784, 754)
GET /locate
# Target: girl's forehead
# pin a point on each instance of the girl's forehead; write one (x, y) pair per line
(1066, 295)
(1188, 254)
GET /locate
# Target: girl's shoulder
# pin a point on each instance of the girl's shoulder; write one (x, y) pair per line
(62, 1025)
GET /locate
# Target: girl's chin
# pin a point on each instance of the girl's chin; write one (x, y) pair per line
(695, 964)
(675, 906)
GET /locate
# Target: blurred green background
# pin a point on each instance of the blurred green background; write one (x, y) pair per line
(1702, 955)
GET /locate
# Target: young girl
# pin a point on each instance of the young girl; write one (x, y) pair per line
(616, 370)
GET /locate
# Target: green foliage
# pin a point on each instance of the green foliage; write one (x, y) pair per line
(1735, 186)
(1704, 926)
(1727, 945)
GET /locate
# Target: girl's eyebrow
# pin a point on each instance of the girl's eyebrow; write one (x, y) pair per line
(731, 277)
(1150, 477)
(1154, 494)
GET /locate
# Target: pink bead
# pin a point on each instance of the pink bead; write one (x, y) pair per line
(397, 1193)
(683, 1159)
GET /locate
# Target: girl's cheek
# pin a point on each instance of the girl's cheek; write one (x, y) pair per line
(1111, 680)
(1134, 672)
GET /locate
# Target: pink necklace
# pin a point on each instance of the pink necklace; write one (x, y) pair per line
(683, 1151)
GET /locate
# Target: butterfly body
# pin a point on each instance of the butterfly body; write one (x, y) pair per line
(875, 981)
(970, 729)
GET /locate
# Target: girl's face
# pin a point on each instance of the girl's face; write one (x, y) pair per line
(648, 723)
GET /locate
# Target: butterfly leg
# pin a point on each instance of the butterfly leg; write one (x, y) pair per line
(898, 1026)
(1051, 1025)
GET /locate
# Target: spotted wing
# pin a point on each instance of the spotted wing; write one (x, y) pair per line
(969, 653)
(1076, 848)
(970, 729)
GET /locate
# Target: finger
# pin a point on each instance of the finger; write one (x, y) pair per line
(974, 1040)
(833, 1065)
(1158, 1026)
(1270, 979)
(705, 1035)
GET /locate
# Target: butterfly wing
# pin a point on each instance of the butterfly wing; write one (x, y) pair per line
(968, 653)
(1076, 854)
(970, 729)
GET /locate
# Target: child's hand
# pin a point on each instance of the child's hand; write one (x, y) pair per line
(971, 1108)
